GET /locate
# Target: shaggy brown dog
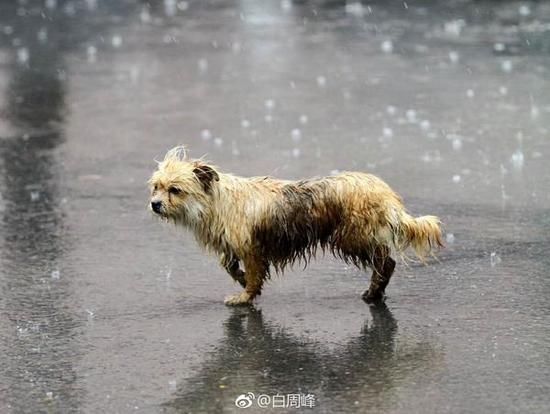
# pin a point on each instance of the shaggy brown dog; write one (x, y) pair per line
(265, 222)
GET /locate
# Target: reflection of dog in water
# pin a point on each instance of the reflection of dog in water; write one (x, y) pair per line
(265, 222)
(258, 355)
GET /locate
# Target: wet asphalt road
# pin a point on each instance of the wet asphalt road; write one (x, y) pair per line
(103, 309)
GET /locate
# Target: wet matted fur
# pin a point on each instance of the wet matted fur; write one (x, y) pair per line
(266, 223)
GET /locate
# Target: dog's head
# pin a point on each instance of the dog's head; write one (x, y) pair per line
(181, 188)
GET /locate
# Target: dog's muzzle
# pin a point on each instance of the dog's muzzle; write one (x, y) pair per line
(156, 206)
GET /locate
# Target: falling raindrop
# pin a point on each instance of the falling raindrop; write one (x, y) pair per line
(22, 55)
(286, 5)
(495, 259)
(517, 160)
(499, 47)
(387, 46)
(454, 56)
(456, 178)
(296, 135)
(145, 15)
(116, 41)
(411, 116)
(206, 135)
(303, 119)
(507, 66)
(524, 10)
(42, 35)
(450, 238)
(203, 65)
(321, 81)
(245, 123)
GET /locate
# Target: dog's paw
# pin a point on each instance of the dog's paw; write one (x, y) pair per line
(239, 299)
(374, 298)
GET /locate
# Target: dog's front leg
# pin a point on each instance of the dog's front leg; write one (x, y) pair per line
(256, 272)
(232, 267)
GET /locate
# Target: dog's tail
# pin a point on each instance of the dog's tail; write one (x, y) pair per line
(422, 234)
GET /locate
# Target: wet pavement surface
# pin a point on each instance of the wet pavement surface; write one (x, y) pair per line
(104, 309)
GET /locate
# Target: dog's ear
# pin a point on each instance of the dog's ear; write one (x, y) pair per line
(206, 175)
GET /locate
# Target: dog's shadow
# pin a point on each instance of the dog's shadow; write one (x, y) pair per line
(258, 357)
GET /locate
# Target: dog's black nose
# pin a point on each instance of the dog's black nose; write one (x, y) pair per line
(156, 206)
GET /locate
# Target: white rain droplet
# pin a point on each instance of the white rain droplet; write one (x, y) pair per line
(503, 90)
(8, 30)
(411, 116)
(457, 143)
(203, 65)
(116, 41)
(245, 123)
(388, 132)
(454, 57)
(91, 52)
(450, 238)
(42, 35)
(51, 4)
(355, 9)
(495, 259)
(236, 47)
(470, 93)
(387, 46)
(303, 119)
(499, 47)
(170, 7)
(517, 159)
(49, 395)
(173, 385)
(206, 135)
(391, 110)
(425, 125)
(296, 134)
(524, 10)
(134, 74)
(296, 152)
(35, 195)
(321, 81)
(183, 5)
(56, 274)
(507, 66)
(92, 4)
(454, 27)
(535, 111)
(22, 55)
(145, 15)
(268, 118)
(456, 178)
(269, 103)
(286, 5)
(218, 141)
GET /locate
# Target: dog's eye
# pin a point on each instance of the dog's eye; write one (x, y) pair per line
(174, 190)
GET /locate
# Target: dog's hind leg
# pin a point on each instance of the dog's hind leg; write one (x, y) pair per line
(231, 265)
(256, 272)
(382, 269)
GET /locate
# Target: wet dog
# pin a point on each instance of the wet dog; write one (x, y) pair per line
(266, 223)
